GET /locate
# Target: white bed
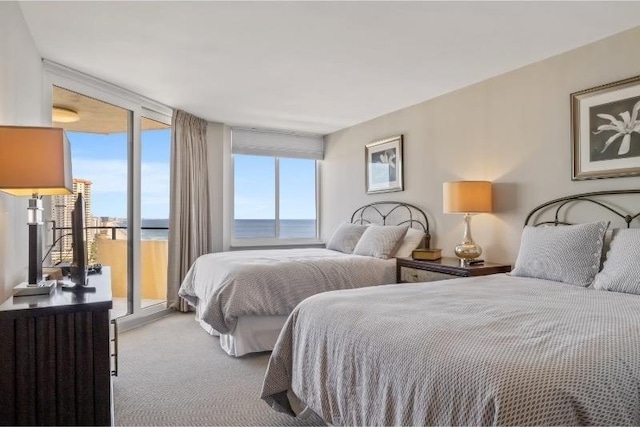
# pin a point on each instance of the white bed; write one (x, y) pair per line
(244, 297)
(555, 342)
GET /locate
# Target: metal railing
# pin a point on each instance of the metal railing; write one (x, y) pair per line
(60, 232)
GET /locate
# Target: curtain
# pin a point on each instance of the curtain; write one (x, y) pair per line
(190, 218)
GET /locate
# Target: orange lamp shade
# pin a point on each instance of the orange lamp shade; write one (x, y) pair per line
(34, 160)
(467, 197)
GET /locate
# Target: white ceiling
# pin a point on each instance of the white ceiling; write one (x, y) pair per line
(310, 66)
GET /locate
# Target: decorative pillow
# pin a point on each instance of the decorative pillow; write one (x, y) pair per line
(411, 240)
(621, 272)
(380, 241)
(569, 254)
(346, 237)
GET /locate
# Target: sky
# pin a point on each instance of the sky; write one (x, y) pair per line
(254, 180)
(102, 159)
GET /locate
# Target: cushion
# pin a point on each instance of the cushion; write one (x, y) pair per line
(380, 241)
(345, 238)
(409, 242)
(569, 254)
(621, 271)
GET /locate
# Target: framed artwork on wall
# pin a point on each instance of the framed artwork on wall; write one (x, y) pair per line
(383, 165)
(606, 130)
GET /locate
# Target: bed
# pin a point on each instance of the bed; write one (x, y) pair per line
(245, 297)
(555, 342)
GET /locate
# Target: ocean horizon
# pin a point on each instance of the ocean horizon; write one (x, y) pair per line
(243, 228)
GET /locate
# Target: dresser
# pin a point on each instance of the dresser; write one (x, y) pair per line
(413, 270)
(55, 357)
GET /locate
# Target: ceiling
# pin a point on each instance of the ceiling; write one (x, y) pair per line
(310, 66)
(95, 116)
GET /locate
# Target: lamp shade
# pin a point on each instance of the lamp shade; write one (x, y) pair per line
(466, 197)
(35, 160)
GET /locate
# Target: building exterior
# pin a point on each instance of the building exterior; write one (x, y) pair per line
(61, 208)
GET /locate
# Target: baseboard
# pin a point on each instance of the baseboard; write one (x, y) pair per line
(127, 323)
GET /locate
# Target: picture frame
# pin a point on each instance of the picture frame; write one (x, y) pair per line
(383, 165)
(606, 131)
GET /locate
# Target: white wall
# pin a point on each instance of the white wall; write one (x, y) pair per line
(20, 104)
(218, 137)
(513, 130)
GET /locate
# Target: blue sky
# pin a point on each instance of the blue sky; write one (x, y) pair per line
(102, 159)
(255, 188)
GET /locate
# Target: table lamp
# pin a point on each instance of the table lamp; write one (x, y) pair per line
(36, 161)
(467, 197)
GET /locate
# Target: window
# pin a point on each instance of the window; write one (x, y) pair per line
(275, 187)
(120, 149)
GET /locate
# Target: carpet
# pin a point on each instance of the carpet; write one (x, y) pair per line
(171, 373)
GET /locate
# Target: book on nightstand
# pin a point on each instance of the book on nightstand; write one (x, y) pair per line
(426, 254)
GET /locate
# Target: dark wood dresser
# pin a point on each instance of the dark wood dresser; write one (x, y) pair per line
(55, 357)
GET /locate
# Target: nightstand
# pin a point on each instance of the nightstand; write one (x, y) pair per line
(414, 270)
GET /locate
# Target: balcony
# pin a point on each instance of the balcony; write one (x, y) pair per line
(111, 248)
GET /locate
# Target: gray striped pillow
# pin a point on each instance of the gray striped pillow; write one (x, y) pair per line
(380, 241)
(569, 254)
(621, 271)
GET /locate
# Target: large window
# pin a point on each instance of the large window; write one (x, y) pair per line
(275, 187)
(274, 198)
(120, 154)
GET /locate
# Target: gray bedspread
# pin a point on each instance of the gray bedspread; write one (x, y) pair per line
(495, 350)
(227, 285)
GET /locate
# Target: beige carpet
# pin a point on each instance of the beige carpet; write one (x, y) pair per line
(174, 373)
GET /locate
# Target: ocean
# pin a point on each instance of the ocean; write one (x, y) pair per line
(266, 228)
(243, 229)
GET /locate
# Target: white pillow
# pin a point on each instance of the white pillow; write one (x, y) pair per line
(621, 271)
(409, 242)
(569, 254)
(380, 241)
(346, 237)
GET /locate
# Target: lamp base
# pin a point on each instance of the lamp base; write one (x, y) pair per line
(467, 251)
(25, 289)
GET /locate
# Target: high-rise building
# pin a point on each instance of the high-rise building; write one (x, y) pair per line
(61, 208)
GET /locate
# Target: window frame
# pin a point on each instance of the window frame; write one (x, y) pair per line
(275, 241)
(138, 106)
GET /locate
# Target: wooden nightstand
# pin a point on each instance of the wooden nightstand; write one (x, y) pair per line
(413, 270)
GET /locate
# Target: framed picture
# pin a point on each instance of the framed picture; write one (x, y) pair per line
(383, 160)
(606, 130)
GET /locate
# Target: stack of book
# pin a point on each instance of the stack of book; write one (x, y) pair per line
(426, 254)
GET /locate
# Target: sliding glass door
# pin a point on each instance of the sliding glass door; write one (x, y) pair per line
(120, 161)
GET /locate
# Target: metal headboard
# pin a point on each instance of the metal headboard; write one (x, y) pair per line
(393, 213)
(593, 198)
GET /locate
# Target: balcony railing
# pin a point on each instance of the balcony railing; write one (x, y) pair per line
(112, 252)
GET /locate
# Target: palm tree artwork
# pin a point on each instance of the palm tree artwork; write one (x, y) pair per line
(628, 124)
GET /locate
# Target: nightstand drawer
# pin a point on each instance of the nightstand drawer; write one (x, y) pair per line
(414, 275)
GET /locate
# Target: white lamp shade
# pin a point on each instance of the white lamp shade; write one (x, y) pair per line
(467, 197)
(35, 160)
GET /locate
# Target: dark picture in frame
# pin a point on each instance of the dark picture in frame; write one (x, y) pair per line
(383, 161)
(606, 130)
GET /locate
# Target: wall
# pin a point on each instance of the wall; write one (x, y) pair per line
(20, 104)
(513, 129)
(218, 137)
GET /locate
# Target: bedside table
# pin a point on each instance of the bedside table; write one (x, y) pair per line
(414, 270)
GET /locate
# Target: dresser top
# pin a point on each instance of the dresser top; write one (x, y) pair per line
(63, 300)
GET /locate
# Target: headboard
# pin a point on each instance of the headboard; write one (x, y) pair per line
(393, 213)
(559, 208)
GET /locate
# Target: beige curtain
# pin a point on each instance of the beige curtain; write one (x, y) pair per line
(190, 219)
